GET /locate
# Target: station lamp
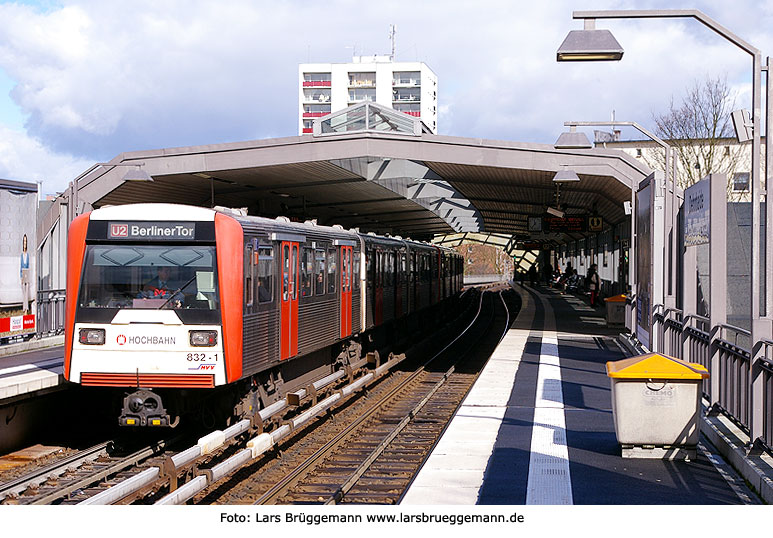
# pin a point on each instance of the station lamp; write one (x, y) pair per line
(589, 45)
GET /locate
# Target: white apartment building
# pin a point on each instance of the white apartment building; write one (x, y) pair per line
(409, 87)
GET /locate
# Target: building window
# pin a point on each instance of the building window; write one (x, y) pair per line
(358, 80)
(741, 181)
(638, 152)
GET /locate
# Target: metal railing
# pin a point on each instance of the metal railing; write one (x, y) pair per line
(767, 394)
(696, 340)
(725, 351)
(734, 372)
(50, 318)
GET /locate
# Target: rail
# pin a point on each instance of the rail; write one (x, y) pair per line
(50, 317)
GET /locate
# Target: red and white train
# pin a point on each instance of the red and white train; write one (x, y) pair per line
(170, 304)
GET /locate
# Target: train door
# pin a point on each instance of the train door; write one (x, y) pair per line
(346, 291)
(288, 336)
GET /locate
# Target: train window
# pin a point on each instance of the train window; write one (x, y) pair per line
(265, 273)
(307, 271)
(331, 270)
(319, 271)
(285, 272)
(392, 269)
(379, 269)
(356, 271)
(150, 277)
(248, 271)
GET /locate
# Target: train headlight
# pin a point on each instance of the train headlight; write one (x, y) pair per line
(92, 337)
(203, 338)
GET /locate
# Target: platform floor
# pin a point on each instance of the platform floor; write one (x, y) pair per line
(511, 443)
(30, 372)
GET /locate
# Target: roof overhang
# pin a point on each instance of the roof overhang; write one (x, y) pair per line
(414, 186)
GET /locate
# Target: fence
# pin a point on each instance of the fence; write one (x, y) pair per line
(725, 351)
(50, 319)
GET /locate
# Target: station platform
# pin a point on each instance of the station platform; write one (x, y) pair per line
(30, 368)
(514, 444)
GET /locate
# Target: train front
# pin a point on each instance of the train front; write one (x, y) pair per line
(145, 308)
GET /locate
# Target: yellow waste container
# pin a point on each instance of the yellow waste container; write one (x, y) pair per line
(615, 310)
(656, 405)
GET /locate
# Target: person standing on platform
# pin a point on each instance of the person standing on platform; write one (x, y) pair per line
(594, 284)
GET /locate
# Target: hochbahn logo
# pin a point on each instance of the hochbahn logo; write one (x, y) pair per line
(143, 340)
(147, 230)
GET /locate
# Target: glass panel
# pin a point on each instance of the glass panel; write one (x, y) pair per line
(382, 120)
(294, 273)
(265, 274)
(285, 272)
(307, 272)
(319, 271)
(347, 120)
(356, 271)
(149, 277)
(331, 270)
(248, 291)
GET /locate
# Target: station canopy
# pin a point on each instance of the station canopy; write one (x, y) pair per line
(376, 169)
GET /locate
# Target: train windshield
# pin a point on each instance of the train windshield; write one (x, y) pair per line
(180, 277)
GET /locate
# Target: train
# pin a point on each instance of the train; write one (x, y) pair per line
(169, 304)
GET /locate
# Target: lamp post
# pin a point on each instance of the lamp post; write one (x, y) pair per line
(583, 46)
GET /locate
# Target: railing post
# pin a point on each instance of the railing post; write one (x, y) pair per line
(760, 327)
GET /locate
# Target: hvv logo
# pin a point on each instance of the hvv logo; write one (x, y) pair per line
(203, 367)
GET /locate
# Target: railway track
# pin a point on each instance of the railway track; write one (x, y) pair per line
(372, 455)
(67, 480)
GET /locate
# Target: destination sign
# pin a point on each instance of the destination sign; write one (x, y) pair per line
(170, 231)
(564, 224)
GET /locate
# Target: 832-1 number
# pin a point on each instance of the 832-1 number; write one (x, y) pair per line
(201, 357)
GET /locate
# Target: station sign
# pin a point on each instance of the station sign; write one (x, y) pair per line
(697, 214)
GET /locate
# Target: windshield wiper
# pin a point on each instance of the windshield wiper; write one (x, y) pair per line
(178, 290)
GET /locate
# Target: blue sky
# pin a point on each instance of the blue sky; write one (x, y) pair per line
(84, 80)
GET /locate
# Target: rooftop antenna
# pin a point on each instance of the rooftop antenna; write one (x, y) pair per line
(392, 32)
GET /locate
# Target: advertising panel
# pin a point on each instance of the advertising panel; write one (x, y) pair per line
(644, 264)
(18, 278)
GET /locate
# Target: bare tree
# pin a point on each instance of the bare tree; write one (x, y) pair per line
(701, 132)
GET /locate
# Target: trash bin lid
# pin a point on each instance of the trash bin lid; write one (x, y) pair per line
(616, 299)
(655, 366)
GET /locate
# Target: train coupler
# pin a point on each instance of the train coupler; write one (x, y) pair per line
(144, 408)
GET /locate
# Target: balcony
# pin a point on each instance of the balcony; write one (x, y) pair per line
(362, 80)
(316, 83)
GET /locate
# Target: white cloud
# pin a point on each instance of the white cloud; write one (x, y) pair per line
(23, 158)
(96, 78)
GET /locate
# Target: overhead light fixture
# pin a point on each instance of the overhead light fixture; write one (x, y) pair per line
(556, 212)
(589, 45)
(566, 176)
(573, 140)
(137, 174)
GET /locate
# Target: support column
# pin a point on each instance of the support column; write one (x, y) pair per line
(717, 273)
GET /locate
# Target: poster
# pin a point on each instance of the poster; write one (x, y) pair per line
(644, 264)
(18, 245)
